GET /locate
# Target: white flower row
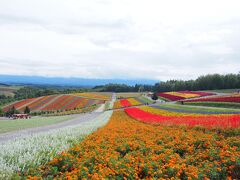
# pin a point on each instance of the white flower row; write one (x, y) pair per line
(20, 154)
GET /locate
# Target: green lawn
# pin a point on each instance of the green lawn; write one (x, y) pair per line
(164, 99)
(146, 100)
(13, 125)
(205, 109)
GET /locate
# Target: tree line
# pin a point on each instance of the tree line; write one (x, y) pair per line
(207, 82)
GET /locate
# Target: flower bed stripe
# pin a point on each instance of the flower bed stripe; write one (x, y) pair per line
(220, 121)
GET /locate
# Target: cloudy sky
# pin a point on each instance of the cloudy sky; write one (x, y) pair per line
(151, 39)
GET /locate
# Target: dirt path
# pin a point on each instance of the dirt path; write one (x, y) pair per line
(100, 108)
(80, 118)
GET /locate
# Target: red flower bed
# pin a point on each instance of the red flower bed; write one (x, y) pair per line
(209, 121)
(125, 103)
(235, 99)
(58, 103)
(170, 97)
(177, 98)
(18, 104)
(35, 106)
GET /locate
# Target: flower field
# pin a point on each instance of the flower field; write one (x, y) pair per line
(180, 95)
(156, 116)
(22, 154)
(126, 103)
(235, 98)
(54, 103)
(129, 149)
(101, 96)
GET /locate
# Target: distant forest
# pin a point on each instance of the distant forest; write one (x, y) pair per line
(207, 82)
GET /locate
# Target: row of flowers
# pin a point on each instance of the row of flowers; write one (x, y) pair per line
(230, 98)
(180, 95)
(129, 149)
(156, 116)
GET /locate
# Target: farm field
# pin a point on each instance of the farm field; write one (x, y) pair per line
(181, 95)
(128, 148)
(54, 103)
(146, 142)
(19, 124)
(8, 90)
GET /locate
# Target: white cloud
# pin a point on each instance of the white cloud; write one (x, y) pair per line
(153, 39)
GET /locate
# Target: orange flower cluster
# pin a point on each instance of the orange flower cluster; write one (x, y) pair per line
(128, 149)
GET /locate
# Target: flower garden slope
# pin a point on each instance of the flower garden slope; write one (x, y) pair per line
(18, 156)
(156, 116)
(128, 149)
(54, 103)
(180, 95)
(235, 98)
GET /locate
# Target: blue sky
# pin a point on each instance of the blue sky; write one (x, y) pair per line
(152, 39)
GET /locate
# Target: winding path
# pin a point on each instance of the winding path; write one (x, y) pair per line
(80, 118)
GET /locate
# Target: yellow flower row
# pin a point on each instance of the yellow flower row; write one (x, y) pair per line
(93, 96)
(185, 95)
(133, 101)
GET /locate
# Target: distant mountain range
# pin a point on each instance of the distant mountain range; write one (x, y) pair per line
(61, 81)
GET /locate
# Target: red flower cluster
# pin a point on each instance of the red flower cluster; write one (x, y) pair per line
(209, 121)
(125, 103)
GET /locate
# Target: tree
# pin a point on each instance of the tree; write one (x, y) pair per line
(1, 112)
(154, 96)
(26, 110)
(11, 111)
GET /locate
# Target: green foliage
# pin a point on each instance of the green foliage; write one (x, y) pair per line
(123, 88)
(11, 111)
(26, 110)
(1, 112)
(154, 96)
(207, 82)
